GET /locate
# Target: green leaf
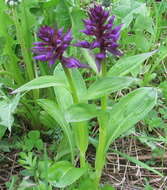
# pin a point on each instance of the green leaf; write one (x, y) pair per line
(108, 85)
(80, 112)
(127, 64)
(143, 23)
(77, 15)
(41, 186)
(142, 43)
(33, 141)
(79, 83)
(62, 149)
(2, 131)
(52, 109)
(63, 96)
(163, 87)
(63, 174)
(87, 183)
(28, 145)
(39, 144)
(63, 15)
(50, 3)
(34, 134)
(28, 20)
(128, 9)
(90, 59)
(66, 100)
(40, 82)
(6, 17)
(7, 109)
(129, 110)
(138, 162)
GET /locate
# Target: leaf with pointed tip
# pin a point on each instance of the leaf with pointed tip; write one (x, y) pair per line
(127, 64)
(138, 162)
(77, 15)
(129, 110)
(7, 109)
(80, 112)
(40, 82)
(63, 174)
(63, 96)
(108, 85)
(79, 83)
(52, 109)
(90, 60)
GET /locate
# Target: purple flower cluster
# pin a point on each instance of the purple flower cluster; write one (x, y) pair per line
(101, 26)
(53, 45)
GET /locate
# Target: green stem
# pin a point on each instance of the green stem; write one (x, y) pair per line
(81, 134)
(80, 129)
(46, 166)
(104, 98)
(100, 155)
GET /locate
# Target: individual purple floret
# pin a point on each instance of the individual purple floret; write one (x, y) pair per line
(53, 45)
(101, 25)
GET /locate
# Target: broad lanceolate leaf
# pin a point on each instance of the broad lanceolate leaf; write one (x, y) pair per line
(63, 174)
(108, 85)
(40, 82)
(129, 110)
(80, 112)
(52, 109)
(79, 83)
(7, 108)
(66, 100)
(63, 96)
(127, 64)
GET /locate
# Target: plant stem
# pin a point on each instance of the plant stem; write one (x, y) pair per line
(80, 129)
(46, 166)
(100, 155)
(104, 98)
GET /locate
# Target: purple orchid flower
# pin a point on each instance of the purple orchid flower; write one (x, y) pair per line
(53, 45)
(101, 25)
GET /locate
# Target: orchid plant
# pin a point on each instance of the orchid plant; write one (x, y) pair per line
(78, 102)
